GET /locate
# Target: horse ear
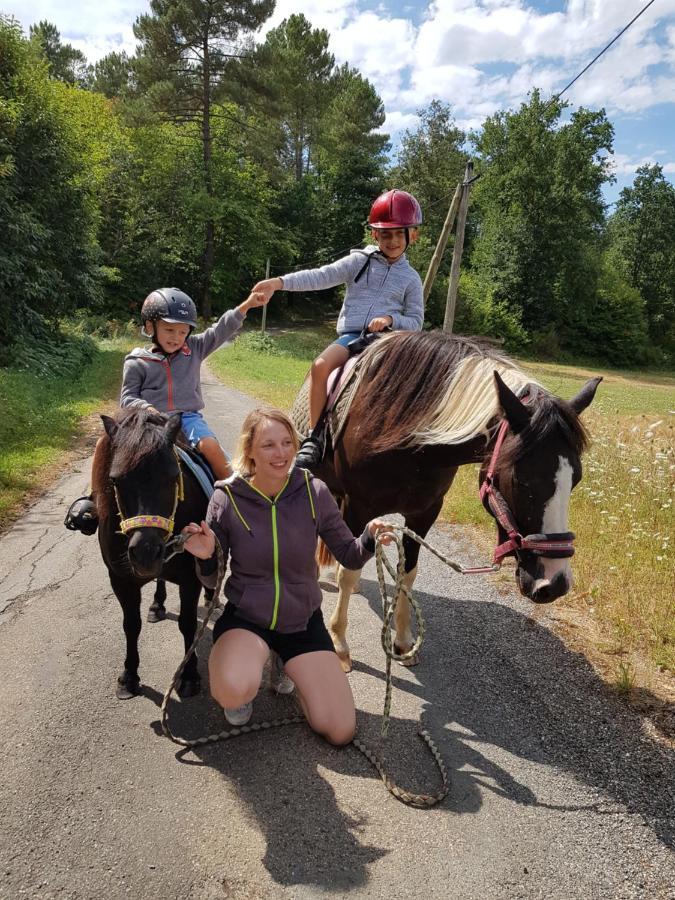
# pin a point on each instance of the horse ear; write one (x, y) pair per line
(110, 426)
(585, 396)
(172, 428)
(516, 413)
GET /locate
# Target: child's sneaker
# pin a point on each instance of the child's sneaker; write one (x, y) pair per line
(281, 683)
(240, 715)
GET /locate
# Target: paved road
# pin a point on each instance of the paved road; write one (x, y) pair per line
(557, 791)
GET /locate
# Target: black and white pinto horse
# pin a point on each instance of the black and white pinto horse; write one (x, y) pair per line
(427, 403)
(146, 495)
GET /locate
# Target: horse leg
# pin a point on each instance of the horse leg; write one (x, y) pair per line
(189, 684)
(420, 524)
(157, 611)
(129, 596)
(347, 582)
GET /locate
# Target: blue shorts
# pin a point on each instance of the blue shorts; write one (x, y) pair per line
(347, 338)
(195, 427)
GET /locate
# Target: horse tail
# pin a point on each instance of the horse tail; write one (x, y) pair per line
(323, 555)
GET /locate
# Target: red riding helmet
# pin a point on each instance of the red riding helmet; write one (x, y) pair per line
(395, 209)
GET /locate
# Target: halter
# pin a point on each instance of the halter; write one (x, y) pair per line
(551, 545)
(127, 525)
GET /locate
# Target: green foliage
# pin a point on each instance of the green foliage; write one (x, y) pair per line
(540, 209)
(48, 251)
(642, 234)
(66, 63)
(613, 326)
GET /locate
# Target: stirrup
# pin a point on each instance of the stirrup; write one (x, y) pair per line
(82, 515)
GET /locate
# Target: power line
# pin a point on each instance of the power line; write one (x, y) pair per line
(604, 50)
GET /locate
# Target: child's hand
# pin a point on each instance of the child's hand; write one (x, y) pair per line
(380, 323)
(254, 299)
(268, 286)
(202, 544)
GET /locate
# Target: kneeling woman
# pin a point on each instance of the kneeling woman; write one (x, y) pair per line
(267, 517)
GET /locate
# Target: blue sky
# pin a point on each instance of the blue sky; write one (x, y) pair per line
(477, 55)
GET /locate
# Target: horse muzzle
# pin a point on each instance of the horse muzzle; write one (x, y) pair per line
(146, 552)
(542, 589)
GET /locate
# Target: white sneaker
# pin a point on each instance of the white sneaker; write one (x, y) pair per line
(240, 715)
(281, 683)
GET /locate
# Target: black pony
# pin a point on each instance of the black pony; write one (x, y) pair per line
(144, 496)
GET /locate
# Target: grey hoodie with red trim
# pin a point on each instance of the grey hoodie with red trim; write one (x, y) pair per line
(173, 383)
(271, 543)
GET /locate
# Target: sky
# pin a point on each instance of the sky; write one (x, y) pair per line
(479, 56)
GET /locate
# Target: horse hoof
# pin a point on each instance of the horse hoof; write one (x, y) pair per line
(345, 662)
(126, 690)
(189, 687)
(156, 614)
(408, 663)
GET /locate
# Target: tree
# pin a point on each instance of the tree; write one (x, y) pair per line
(66, 63)
(48, 250)
(185, 63)
(642, 234)
(112, 75)
(541, 212)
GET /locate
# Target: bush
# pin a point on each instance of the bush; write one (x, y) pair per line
(479, 313)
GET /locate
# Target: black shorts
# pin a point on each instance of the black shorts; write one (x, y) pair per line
(314, 637)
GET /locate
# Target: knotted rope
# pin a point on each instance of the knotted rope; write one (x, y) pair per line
(423, 801)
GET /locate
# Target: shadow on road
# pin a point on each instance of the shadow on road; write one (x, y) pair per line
(489, 678)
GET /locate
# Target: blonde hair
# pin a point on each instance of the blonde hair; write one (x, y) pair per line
(243, 463)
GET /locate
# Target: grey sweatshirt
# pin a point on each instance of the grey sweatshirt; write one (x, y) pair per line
(271, 544)
(384, 289)
(173, 383)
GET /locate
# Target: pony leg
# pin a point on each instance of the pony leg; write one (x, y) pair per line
(347, 581)
(129, 596)
(190, 681)
(157, 611)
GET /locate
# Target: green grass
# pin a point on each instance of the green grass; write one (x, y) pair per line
(42, 416)
(621, 512)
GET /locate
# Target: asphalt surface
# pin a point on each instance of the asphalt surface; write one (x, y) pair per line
(558, 790)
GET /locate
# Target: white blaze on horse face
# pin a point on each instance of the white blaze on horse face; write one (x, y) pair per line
(556, 518)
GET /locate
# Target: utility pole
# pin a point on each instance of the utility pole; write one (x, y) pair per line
(264, 311)
(451, 303)
(442, 241)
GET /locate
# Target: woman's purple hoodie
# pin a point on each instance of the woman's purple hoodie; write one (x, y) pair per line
(271, 543)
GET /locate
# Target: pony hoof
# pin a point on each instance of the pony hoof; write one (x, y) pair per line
(345, 662)
(126, 690)
(189, 687)
(156, 614)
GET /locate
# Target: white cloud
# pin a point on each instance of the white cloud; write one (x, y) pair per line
(624, 164)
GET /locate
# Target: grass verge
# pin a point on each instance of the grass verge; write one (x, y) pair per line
(622, 510)
(42, 416)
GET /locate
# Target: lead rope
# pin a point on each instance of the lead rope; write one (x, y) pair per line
(423, 801)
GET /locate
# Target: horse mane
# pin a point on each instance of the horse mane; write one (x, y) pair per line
(418, 388)
(548, 414)
(140, 433)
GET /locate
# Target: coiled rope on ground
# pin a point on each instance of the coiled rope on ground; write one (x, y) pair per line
(374, 756)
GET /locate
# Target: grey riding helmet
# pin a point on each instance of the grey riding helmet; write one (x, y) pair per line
(171, 305)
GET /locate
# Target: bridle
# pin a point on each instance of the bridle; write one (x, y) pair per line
(551, 545)
(153, 521)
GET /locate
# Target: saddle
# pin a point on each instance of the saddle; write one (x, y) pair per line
(340, 392)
